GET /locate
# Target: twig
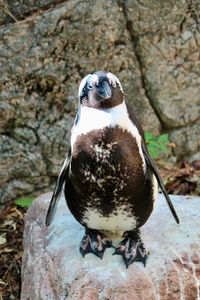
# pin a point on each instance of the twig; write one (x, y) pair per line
(6, 10)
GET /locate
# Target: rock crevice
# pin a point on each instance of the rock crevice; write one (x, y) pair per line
(134, 37)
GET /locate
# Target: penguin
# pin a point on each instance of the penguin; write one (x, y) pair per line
(110, 181)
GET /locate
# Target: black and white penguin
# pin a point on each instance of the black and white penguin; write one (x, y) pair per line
(110, 179)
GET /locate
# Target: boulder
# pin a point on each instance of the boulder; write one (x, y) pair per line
(53, 268)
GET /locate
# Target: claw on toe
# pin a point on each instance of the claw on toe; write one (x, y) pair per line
(132, 249)
(94, 242)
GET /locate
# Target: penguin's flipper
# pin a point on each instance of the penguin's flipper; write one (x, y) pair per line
(154, 169)
(57, 191)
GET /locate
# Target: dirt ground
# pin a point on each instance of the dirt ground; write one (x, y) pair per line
(11, 232)
(179, 179)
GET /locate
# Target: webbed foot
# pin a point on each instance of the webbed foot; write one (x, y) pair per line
(94, 242)
(132, 248)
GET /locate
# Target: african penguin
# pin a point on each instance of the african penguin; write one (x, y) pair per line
(110, 181)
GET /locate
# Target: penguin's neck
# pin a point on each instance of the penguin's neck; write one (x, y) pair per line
(91, 118)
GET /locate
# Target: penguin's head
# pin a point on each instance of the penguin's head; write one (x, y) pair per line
(100, 90)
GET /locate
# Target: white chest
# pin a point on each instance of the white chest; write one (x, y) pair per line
(93, 119)
(119, 220)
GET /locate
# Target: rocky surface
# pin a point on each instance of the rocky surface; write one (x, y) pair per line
(167, 46)
(48, 46)
(54, 269)
(16, 10)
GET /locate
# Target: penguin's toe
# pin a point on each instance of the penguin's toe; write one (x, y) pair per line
(132, 249)
(94, 242)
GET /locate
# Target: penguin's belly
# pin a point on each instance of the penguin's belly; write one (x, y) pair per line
(108, 185)
(118, 220)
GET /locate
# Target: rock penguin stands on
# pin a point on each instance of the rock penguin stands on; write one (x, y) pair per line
(110, 181)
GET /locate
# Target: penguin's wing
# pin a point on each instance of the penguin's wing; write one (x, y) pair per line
(57, 190)
(150, 162)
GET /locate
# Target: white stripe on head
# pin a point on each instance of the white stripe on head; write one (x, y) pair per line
(94, 79)
(82, 84)
(91, 78)
(113, 80)
(92, 118)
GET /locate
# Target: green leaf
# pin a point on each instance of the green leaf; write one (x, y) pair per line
(163, 138)
(24, 202)
(157, 145)
(148, 136)
(154, 152)
(163, 147)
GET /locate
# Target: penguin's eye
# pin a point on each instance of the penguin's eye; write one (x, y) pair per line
(90, 86)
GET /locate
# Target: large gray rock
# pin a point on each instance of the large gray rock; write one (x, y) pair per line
(48, 47)
(54, 269)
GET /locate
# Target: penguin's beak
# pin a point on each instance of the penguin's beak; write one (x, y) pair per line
(103, 90)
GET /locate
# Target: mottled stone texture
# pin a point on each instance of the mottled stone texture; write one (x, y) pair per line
(167, 46)
(47, 47)
(53, 268)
